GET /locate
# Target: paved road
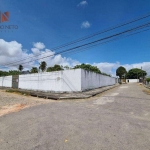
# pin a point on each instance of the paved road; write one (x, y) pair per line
(118, 119)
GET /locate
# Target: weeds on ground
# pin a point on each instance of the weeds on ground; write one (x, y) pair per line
(17, 92)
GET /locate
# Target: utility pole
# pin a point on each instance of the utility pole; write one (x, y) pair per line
(142, 75)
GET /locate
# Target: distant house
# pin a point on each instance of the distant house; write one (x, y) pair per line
(132, 80)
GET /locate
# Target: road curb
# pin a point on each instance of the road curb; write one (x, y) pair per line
(63, 96)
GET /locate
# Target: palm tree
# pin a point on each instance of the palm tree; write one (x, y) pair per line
(34, 70)
(20, 68)
(43, 66)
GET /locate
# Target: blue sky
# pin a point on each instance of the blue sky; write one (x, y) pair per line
(54, 23)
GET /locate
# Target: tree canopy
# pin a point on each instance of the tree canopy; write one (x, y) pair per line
(43, 65)
(10, 72)
(148, 80)
(88, 67)
(135, 73)
(34, 70)
(105, 74)
(121, 71)
(55, 68)
(66, 67)
(20, 68)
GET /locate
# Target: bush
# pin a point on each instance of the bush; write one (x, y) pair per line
(148, 80)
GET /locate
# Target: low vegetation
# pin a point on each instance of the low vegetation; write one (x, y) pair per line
(11, 72)
(43, 67)
(148, 80)
(18, 92)
(89, 67)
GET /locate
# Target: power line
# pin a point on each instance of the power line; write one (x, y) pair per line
(87, 37)
(145, 25)
(83, 49)
(96, 41)
(102, 44)
(105, 43)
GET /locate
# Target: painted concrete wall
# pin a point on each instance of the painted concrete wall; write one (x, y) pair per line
(132, 80)
(6, 81)
(58, 81)
(91, 80)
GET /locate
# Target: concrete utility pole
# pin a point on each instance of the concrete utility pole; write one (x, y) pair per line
(142, 75)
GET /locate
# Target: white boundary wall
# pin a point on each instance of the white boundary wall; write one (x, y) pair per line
(58, 81)
(132, 80)
(61, 81)
(6, 81)
(91, 80)
(67, 80)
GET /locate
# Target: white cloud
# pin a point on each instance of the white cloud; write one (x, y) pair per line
(83, 3)
(85, 24)
(12, 52)
(145, 66)
(110, 68)
(51, 60)
(10, 48)
(35, 51)
(39, 45)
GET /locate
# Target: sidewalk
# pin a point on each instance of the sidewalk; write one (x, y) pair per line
(59, 96)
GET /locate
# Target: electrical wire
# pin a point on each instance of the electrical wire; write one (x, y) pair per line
(90, 43)
(88, 37)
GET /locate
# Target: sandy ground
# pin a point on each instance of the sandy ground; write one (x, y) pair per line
(14, 102)
(118, 119)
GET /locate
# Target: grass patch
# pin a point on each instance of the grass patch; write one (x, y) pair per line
(18, 92)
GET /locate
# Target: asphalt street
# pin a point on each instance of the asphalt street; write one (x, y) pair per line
(118, 119)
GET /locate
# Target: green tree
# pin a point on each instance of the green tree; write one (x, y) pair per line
(121, 71)
(55, 68)
(34, 70)
(88, 67)
(43, 66)
(148, 80)
(20, 68)
(3, 73)
(105, 74)
(13, 72)
(50, 69)
(66, 67)
(136, 73)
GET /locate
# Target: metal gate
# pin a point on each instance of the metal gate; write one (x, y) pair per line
(15, 81)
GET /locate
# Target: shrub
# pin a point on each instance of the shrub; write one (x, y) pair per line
(148, 80)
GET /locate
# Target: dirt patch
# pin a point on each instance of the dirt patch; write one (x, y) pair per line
(14, 108)
(147, 91)
(12, 101)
